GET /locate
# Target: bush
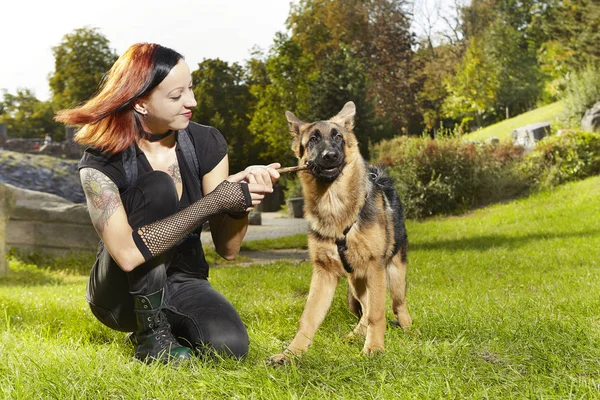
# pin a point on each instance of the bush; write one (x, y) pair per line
(450, 176)
(581, 93)
(561, 158)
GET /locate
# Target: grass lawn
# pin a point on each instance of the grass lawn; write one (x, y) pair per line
(503, 130)
(505, 302)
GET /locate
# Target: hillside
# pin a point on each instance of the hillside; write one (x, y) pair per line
(503, 130)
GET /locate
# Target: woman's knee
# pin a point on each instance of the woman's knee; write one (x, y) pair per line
(231, 343)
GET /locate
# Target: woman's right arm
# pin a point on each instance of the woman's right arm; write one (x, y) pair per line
(109, 218)
(131, 248)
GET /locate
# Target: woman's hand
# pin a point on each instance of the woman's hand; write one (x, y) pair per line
(265, 174)
(257, 190)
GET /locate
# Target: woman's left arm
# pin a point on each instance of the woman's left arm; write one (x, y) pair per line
(228, 232)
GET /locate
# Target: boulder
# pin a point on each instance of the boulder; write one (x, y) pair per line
(591, 119)
(528, 135)
(49, 223)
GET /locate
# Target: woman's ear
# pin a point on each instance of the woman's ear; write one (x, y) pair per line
(140, 107)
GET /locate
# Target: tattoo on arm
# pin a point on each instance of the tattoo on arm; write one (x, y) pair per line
(175, 173)
(102, 197)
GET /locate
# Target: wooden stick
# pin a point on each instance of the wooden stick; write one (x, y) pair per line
(293, 169)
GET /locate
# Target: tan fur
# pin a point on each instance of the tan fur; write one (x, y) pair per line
(329, 209)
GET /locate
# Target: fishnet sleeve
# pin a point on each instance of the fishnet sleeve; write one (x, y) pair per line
(157, 237)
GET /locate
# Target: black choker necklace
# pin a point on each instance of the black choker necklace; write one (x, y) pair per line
(155, 137)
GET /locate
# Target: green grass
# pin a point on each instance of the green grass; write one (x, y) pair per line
(503, 130)
(504, 300)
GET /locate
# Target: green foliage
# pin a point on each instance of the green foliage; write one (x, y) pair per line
(450, 176)
(225, 102)
(562, 158)
(574, 26)
(352, 48)
(472, 91)
(513, 59)
(581, 93)
(27, 117)
(343, 78)
(80, 61)
(283, 87)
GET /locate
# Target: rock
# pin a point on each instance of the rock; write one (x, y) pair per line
(528, 135)
(42, 173)
(7, 203)
(49, 223)
(492, 140)
(591, 119)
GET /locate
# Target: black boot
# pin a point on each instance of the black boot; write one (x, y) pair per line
(154, 340)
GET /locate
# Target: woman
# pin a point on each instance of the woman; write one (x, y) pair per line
(151, 178)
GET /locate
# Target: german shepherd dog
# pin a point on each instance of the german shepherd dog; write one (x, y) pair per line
(356, 228)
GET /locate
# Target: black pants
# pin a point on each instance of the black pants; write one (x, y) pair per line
(199, 315)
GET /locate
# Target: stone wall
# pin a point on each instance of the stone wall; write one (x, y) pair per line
(7, 203)
(48, 223)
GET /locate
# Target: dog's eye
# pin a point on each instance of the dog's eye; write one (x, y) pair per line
(338, 137)
(313, 139)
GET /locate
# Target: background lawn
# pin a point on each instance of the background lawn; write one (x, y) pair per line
(504, 301)
(503, 130)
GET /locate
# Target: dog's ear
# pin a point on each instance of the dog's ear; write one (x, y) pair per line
(346, 116)
(295, 124)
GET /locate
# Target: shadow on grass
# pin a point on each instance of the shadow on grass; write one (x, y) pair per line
(487, 242)
(35, 268)
(30, 277)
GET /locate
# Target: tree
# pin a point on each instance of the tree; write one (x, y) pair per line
(472, 90)
(27, 117)
(343, 78)
(80, 62)
(285, 85)
(515, 64)
(224, 101)
(574, 27)
(377, 32)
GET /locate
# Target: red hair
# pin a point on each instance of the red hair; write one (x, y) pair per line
(108, 118)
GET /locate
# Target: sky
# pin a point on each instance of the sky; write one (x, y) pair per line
(198, 29)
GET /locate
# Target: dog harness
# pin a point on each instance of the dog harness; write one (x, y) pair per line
(341, 246)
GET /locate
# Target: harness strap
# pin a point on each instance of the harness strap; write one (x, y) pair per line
(342, 247)
(187, 149)
(130, 164)
(189, 154)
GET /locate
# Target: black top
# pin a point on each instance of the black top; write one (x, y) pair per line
(210, 147)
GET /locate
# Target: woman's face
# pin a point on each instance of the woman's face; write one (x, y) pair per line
(169, 105)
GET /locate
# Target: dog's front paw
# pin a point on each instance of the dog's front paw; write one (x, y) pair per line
(279, 359)
(372, 350)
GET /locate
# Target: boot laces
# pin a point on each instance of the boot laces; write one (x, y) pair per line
(161, 330)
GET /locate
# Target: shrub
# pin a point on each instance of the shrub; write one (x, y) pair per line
(581, 93)
(450, 176)
(561, 158)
